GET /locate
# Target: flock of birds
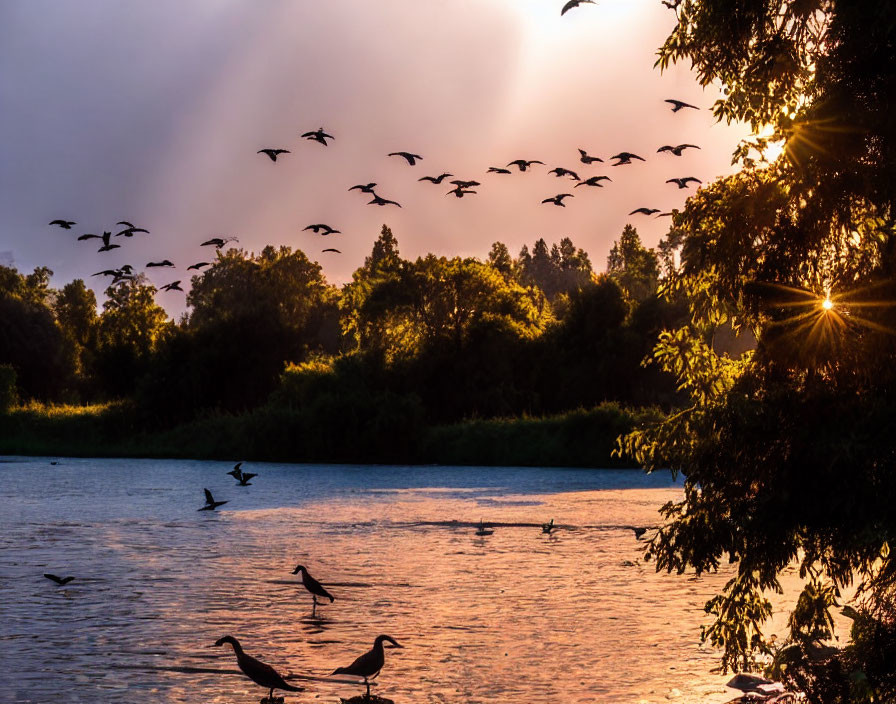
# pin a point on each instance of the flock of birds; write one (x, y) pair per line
(461, 188)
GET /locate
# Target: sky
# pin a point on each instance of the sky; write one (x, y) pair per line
(153, 112)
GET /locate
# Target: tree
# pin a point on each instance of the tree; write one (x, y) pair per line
(499, 257)
(634, 267)
(787, 453)
(131, 326)
(75, 309)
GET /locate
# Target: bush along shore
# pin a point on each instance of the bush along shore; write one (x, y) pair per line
(392, 432)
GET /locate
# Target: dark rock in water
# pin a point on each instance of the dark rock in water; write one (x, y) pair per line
(361, 699)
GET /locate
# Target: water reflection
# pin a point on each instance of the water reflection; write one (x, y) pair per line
(572, 616)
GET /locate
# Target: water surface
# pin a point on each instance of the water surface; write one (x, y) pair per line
(514, 617)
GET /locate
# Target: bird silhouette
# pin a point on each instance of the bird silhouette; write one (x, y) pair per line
(274, 152)
(436, 179)
(89, 236)
(218, 242)
(559, 172)
(64, 224)
(498, 170)
(459, 192)
(235, 472)
(573, 4)
(547, 527)
(412, 159)
(164, 262)
(465, 184)
(129, 232)
(106, 246)
(320, 228)
(382, 201)
(313, 586)
(558, 199)
(585, 159)
(319, 135)
(370, 663)
(364, 188)
(523, 164)
(210, 503)
(197, 265)
(639, 532)
(125, 223)
(173, 286)
(683, 182)
(257, 671)
(593, 181)
(679, 104)
(645, 211)
(61, 581)
(107, 272)
(245, 477)
(676, 150)
(482, 530)
(331, 249)
(625, 158)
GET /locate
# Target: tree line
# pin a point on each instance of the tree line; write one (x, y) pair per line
(446, 339)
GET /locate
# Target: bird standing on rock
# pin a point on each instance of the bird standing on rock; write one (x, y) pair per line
(257, 671)
(370, 663)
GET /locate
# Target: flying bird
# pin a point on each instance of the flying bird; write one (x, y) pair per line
(497, 170)
(645, 211)
(593, 181)
(559, 172)
(676, 150)
(319, 136)
(382, 201)
(173, 286)
(459, 192)
(108, 272)
(164, 262)
(410, 158)
(125, 223)
(197, 265)
(436, 179)
(89, 236)
(210, 503)
(312, 585)
(129, 232)
(245, 477)
(523, 164)
(218, 242)
(585, 159)
(274, 152)
(106, 246)
(64, 224)
(235, 472)
(61, 581)
(683, 182)
(370, 663)
(257, 671)
(364, 188)
(320, 228)
(465, 184)
(626, 158)
(558, 199)
(573, 4)
(679, 104)
(331, 249)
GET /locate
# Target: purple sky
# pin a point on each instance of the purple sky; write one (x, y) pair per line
(153, 112)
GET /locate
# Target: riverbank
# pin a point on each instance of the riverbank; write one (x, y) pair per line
(582, 438)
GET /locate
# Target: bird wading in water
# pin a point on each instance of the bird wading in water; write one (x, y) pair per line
(370, 663)
(257, 671)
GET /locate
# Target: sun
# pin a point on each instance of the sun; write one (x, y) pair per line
(827, 304)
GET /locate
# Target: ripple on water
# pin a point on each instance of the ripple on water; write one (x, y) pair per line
(517, 616)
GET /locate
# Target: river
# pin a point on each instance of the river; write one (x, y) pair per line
(516, 616)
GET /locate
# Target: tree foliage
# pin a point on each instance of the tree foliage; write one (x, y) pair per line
(787, 453)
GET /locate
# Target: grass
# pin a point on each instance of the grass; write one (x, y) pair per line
(581, 438)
